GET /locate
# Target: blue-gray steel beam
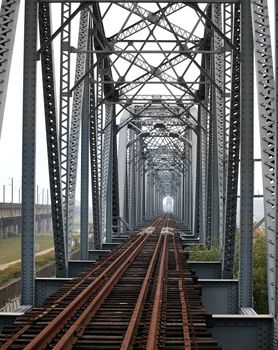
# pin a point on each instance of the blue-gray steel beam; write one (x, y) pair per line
(52, 142)
(150, 1)
(84, 200)
(233, 156)
(64, 115)
(218, 67)
(29, 154)
(191, 185)
(114, 181)
(144, 179)
(131, 180)
(122, 163)
(228, 22)
(107, 172)
(148, 16)
(8, 20)
(200, 204)
(246, 157)
(94, 159)
(209, 188)
(268, 125)
(276, 160)
(100, 122)
(76, 117)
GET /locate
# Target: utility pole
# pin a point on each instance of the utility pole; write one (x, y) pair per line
(12, 189)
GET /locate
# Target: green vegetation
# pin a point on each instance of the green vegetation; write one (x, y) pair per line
(202, 253)
(13, 271)
(10, 247)
(260, 276)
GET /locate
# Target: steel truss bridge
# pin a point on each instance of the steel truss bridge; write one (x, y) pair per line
(151, 101)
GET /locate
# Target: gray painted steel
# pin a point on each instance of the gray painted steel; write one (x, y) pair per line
(148, 131)
(29, 154)
(246, 157)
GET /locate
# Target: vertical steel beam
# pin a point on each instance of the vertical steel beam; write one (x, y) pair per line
(132, 194)
(148, 196)
(276, 162)
(143, 192)
(246, 157)
(52, 141)
(107, 172)
(29, 154)
(228, 22)
(218, 131)
(94, 159)
(65, 114)
(76, 118)
(186, 194)
(233, 155)
(200, 211)
(198, 207)
(122, 163)
(100, 122)
(268, 121)
(84, 201)
(114, 174)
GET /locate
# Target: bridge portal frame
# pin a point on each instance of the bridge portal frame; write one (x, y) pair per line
(254, 23)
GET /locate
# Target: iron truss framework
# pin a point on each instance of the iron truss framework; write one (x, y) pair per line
(160, 106)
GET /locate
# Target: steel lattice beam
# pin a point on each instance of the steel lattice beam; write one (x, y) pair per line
(246, 157)
(8, 21)
(28, 155)
(233, 157)
(52, 144)
(268, 126)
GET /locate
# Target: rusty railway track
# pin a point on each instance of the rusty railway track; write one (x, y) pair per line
(142, 295)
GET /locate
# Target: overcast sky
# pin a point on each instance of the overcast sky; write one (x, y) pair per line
(10, 143)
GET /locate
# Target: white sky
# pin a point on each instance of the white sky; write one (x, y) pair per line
(10, 143)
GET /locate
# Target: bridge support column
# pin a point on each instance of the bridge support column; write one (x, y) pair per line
(122, 162)
(29, 154)
(84, 201)
(246, 158)
(131, 182)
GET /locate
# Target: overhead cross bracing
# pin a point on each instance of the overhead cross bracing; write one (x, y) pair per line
(155, 100)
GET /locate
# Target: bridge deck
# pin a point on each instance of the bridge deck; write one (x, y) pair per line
(143, 295)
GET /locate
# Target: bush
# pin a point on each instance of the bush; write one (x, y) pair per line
(14, 271)
(203, 253)
(10, 273)
(260, 276)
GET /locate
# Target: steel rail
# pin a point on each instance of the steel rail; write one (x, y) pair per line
(155, 317)
(61, 298)
(185, 322)
(182, 294)
(130, 334)
(55, 326)
(77, 329)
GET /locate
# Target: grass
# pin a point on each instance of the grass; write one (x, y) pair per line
(10, 247)
(14, 271)
(203, 253)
